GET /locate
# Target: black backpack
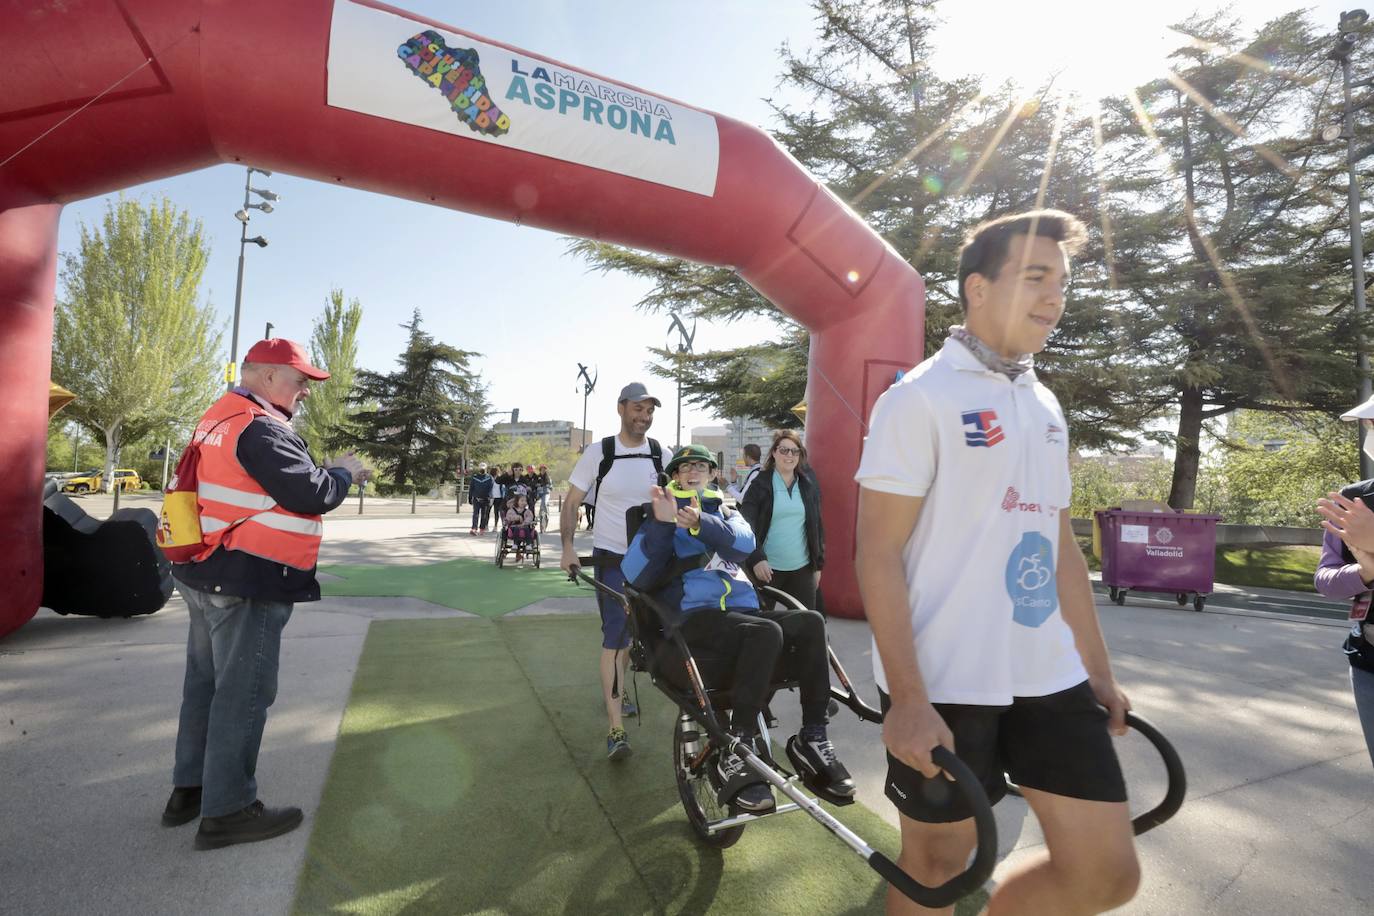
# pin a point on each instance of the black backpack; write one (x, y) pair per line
(609, 457)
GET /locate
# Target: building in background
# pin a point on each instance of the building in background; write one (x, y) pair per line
(741, 432)
(563, 433)
(716, 438)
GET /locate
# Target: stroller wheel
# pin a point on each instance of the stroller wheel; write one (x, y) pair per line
(695, 787)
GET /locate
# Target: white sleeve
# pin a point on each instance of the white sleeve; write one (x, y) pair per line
(583, 475)
(900, 450)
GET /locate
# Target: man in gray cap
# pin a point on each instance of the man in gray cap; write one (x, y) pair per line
(614, 477)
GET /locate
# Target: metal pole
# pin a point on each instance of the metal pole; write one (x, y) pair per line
(585, 393)
(679, 402)
(1356, 260)
(238, 286)
(166, 459)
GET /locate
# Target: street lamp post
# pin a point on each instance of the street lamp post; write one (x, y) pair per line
(242, 216)
(684, 346)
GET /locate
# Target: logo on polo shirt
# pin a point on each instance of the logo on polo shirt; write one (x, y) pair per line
(985, 431)
(1011, 502)
(1030, 580)
(1054, 434)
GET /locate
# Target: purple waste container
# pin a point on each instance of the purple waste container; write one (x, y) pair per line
(1171, 552)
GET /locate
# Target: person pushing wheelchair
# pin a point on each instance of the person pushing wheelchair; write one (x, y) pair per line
(688, 554)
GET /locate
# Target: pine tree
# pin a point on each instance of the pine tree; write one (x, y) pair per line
(411, 421)
(1231, 256)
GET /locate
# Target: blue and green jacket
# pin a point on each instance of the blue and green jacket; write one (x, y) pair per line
(660, 557)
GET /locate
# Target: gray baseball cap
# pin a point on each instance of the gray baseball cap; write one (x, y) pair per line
(635, 391)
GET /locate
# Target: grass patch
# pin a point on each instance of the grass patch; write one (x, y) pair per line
(1286, 567)
(464, 584)
(470, 777)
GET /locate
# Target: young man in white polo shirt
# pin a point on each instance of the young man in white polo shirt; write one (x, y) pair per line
(631, 474)
(986, 638)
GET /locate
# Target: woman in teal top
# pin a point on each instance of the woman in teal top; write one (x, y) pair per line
(783, 506)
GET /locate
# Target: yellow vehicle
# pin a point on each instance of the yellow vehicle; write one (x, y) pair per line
(91, 481)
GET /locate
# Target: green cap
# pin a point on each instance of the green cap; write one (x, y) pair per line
(690, 453)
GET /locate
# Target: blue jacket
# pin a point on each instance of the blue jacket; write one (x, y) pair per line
(481, 486)
(726, 541)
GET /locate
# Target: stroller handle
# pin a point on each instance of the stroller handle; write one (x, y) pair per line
(1173, 766)
(977, 874)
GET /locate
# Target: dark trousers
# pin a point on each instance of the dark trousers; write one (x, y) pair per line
(799, 583)
(232, 656)
(481, 512)
(756, 643)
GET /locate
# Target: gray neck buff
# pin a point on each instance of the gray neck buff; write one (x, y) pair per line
(989, 357)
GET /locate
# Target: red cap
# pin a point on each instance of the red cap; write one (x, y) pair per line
(278, 351)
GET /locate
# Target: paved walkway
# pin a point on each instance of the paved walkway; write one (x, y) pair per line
(1258, 705)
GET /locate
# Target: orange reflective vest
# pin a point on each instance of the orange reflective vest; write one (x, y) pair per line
(235, 511)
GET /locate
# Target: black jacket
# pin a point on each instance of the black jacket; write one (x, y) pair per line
(757, 510)
(277, 459)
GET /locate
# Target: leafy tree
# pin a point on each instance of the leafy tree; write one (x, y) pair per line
(1273, 467)
(528, 450)
(130, 336)
(411, 421)
(333, 347)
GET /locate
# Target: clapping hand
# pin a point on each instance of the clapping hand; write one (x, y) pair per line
(664, 505)
(689, 516)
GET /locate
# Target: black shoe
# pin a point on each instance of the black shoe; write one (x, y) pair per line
(740, 785)
(254, 823)
(183, 807)
(818, 766)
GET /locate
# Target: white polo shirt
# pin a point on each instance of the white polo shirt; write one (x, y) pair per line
(626, 484)
(989, 455)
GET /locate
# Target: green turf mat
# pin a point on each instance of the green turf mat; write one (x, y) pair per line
(464, 584)
(470, 777)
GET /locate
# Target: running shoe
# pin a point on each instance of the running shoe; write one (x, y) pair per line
(816, 762)
(618, 744)
(740, 785)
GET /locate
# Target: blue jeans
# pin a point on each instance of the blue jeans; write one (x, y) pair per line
(232, 656)
(481, 510)
(1362, 682)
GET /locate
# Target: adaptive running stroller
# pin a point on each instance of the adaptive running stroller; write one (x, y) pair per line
(508, 542)
(698, 684)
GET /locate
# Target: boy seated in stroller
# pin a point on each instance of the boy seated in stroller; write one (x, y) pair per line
(519, 522)
(688, 554)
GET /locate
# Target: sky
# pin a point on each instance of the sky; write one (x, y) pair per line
(552, 313)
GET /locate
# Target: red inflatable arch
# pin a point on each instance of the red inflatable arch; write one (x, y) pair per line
(368, 96)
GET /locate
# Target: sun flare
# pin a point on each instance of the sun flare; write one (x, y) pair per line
(1090, 49)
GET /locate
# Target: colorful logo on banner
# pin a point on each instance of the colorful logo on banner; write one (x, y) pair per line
(985, 432)
(1030, 580)
(456, 73)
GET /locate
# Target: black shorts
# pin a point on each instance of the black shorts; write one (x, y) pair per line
(1057, 743)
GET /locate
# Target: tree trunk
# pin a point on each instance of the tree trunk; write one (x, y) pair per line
(112, 444)
(1189, 442)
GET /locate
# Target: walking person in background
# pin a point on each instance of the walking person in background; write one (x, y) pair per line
(783, 507)
(260, 499)
(498, 497)
(1346, 572)
(752, 455)
(479, 494)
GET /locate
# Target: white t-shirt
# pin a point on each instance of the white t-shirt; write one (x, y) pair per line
(989, 455)
(626, 484)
